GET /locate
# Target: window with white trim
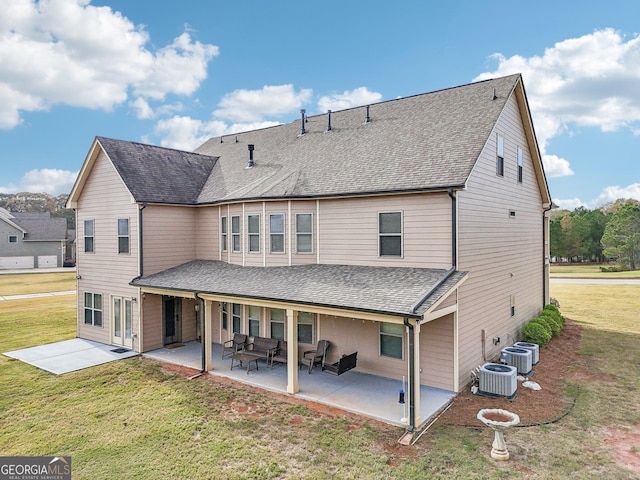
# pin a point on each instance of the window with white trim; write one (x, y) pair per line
(236, 317)
(254, 320)
(253, 233)
(235, 233)
(223, 233)
(304, 233)
(277, 318)
(225, 316)
(88, 236)
(276, 232)
(391, 339)
(520, 161)
(306, 321)
(123, 235)
(13, 239)
(93, 309)
(500, 156)
(390, 234)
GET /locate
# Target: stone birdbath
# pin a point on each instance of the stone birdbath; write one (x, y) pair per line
(498, 420)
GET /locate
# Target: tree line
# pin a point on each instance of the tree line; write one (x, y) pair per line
(610, 233)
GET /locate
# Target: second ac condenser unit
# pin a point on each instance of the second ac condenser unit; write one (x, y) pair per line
(519, 358)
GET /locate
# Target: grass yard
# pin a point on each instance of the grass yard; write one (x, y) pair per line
(588, 271)
(18, 283)
(136, 419)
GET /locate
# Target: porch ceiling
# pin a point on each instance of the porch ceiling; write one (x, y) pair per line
(382, 290)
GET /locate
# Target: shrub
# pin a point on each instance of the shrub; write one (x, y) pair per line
(553, 322)
(543, 323)
(554, 312)
(534, 332)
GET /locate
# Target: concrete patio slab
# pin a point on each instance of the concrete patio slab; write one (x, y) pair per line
(361, 393)
(69, 355)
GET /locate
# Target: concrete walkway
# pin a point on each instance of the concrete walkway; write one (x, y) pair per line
(36, 295)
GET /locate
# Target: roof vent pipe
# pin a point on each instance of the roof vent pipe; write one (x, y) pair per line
(494, 94)
(302, 112)
(368, 118)
(328, 120)
(251, 162)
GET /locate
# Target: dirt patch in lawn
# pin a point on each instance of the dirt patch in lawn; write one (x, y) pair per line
(626, 444)
(558, 361)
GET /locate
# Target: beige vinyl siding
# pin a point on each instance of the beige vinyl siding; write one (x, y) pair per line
(152, 325)
(504, 255)
(169, 237)
(189, 320)
(436, 353)
(348, 335)
(104, 200)
(208, 233)
(349, 230)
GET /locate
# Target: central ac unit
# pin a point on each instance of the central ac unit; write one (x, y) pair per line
(519, 358)
(497, 379)
(533, 347)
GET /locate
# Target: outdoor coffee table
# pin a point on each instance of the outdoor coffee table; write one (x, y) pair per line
(244, 357)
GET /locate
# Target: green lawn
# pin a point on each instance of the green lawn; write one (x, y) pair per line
(17, 283)
(131, 419)
(588, 271)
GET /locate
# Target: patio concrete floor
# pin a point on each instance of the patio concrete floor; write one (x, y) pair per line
(361, 393)
(69, 355)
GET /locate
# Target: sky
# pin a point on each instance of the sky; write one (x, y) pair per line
(175, 73)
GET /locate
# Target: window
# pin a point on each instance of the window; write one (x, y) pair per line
(500, 156)
(254, 321)
(13, 239)
(390, 234)
(519, 164)
(93, 309)
(391, 339)
(305, 327)
(88, 236)
(304, 233)
(235, 233)
(276, 323)
(253, 233)
(225, 316)
(223, 234)
(236, 317)
(123, 235)
(276, 232)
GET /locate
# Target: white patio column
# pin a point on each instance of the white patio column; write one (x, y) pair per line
(416, 370)
(456, 353)
(292, 352)
(206, 336)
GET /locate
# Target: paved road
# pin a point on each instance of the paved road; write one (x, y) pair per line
(597, 281)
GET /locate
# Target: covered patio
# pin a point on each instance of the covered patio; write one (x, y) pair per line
(357, 392)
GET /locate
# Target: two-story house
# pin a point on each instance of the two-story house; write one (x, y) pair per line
(414, 231)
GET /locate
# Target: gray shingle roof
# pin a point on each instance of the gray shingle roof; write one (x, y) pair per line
(386, 290)
(156, 174)
(41, 227)
(423, 142)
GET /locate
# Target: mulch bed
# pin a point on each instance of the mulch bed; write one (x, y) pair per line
(558, 360)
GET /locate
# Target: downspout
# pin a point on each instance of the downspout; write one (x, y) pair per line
(447, 275)
(544, 253)
(140, 271)
(201, 318)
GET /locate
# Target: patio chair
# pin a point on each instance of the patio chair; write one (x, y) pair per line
(312, 357)
(237, 344)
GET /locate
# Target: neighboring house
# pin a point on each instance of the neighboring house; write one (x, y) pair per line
(31, 240)
(413, 231)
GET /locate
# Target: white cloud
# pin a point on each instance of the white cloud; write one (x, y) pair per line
(590, 81)
(72, 53)
(613, 193)
(186, 133)
(45, 180)
(254, 105)
(569, 203)
(348, 99)
(555, 166)
(142, 108)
